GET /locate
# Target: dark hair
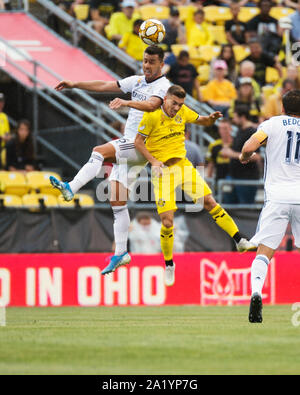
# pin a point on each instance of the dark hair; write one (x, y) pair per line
(231, 62)
(225, 120)
(183, 54)
(288, 81)
(138, 22)
(200, 11)
(177, 91)
(27, 146)
(242, 110)
(291, 102)
(155, 50)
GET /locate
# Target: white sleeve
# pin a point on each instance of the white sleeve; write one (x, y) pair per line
(161, 90)
(266, 127)
(126, 85)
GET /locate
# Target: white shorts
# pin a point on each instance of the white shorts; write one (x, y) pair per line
(129, 164)
(273, 222)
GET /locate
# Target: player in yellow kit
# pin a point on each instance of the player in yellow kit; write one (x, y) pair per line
(161, 139)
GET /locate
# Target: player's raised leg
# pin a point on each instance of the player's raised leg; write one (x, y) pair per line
(167, 243)
(225, 222)
(118, 201)
(88, 172)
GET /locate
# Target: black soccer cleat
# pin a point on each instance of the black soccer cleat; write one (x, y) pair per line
(255, 312)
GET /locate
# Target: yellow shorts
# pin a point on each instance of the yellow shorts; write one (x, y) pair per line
(182, 175)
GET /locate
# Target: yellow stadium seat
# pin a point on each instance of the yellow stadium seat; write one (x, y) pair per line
(217, 14)
(272, 75)
(81, 11)
(267, 91)
(218, 33)
(209, 52)
(247, 13)
(203, 73)
(11, 200)
(33, 200)
(38, 181)
(154, 11)
(84, 200)
(13, 183)
(281, 12)
(193, 52)
(63, 203)
(240, 52)
(186, 11)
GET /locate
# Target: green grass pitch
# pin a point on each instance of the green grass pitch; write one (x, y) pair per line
(149, 340)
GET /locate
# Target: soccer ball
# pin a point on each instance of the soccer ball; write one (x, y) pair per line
(152, 32)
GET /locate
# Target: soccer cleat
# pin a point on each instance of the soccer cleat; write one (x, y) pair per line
(170, 275)
(115, 262)
(64, 187)
(245, 245)
(255, 312)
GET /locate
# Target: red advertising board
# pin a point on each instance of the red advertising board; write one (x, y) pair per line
(201, 278)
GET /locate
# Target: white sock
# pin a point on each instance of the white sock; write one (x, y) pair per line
(259, 270)
(121, 226)
(89, 171)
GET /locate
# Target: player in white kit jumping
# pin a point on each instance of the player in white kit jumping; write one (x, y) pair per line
(282, 190)
(147, 93)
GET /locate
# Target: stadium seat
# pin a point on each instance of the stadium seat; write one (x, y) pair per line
(33, 200)
(193, 52)
(267, 91)
(208, 52)
(217, 14)
(203, 73)
(240, 52)
(11, 200)
(186, 11)
(248, 13)
(218, 33)
(272, 75)
(38, 181)
(81, 11)
(13, 183)
(84, 200)
(154, 11)
(281, 12)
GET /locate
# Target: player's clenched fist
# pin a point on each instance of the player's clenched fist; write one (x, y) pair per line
(64, 84)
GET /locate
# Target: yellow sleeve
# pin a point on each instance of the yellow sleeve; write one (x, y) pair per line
(5, 125)
(124, 41)
(145, 126)
(190, 115)
(261, 136)
(113, 27)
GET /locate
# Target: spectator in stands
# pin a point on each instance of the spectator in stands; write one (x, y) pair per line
(293, 73)
(175, 31)
(219, 92)
(193, 151)
(242, 194)
(101, 11)
(291, 3)
(20, 149)
(234, 28)
(247, 70)
(121, 22)
(273, 105)
(295, 19)
(266, 27)
(5, 135)
(144, 234)
(183, 73)
(227, 54)
(131, 42)
(5, 5)
(246, 96)
(262, 61)
(217, 164)
(197, 31)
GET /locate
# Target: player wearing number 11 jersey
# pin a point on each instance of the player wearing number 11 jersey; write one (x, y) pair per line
(282, 190)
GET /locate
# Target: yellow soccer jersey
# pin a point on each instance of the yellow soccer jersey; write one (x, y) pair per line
(165, 136)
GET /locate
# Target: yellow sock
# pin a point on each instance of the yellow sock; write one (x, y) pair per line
(223, 219)
(167, 242)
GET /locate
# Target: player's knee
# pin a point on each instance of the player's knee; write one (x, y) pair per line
(167, 222)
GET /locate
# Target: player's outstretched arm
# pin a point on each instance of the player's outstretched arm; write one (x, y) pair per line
(249, 148)
(93, 86)
(152, 104)
(210, 119)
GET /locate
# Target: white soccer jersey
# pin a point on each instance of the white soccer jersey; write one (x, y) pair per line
(282, 163)
(141, 90)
